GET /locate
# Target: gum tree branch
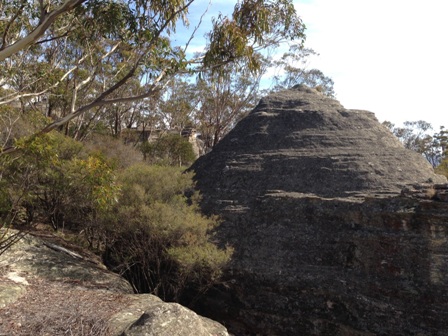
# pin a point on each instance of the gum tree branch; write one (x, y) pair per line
(46, 20)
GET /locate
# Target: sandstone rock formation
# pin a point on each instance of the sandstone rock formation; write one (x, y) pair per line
(46, 288)
(337, 229)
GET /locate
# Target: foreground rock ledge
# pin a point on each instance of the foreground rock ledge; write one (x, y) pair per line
(337, 229)
(47, 288)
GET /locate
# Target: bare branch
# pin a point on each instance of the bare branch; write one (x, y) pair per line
(89, 78)
(36, 94)
(7, 127)
(197, 26)
(54, 38)
(153, 88)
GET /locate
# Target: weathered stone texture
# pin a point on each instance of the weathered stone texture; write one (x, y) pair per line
(148, 315)
(35, 257)
(326, 242)
(41, 261)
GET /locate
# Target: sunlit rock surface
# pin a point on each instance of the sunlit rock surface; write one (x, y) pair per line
(48, 288)
(337, 229)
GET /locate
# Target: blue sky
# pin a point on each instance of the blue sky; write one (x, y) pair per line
(386, 56)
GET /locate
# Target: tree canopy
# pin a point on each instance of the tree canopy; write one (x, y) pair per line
(416, 135)
(79, 59)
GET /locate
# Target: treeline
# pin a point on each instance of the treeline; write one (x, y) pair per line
(77, 77)
(114, 65)
(420, 137)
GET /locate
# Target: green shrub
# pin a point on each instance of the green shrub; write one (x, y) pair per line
(52, 180)
(171, 149)
(442, 169)
(123, 155)
(139, 216)
(162, 243)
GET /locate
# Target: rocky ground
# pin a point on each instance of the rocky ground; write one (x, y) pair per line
(51, 287)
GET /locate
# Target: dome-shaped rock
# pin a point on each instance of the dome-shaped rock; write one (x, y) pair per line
(300, 140)
(324, 241)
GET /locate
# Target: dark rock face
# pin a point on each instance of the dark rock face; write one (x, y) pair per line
(326, 242)
(302, 141)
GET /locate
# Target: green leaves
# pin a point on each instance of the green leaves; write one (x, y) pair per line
(52, 176)
(90, 52)
(227, 43)
(161, 242)
(159, 183)
(97, 178)
(415, 135)
(170, 149)
(255, 25)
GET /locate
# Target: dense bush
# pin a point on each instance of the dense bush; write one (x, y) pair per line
(51, 179)
(442, 168)
(170, 149)
(137, 216)
(121, 154)
(15, 124)
(162, 243)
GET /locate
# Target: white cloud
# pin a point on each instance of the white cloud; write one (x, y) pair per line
(386, 56)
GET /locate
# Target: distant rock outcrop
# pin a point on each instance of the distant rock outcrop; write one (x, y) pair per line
(337, 229)
(47, 288)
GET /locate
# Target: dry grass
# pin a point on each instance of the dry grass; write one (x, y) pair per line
(53, 309)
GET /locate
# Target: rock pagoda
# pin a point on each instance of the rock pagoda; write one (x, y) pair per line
(337, 228)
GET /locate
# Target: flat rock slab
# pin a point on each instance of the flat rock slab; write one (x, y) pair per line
(48, 288)
(34, 257)
(148, 315)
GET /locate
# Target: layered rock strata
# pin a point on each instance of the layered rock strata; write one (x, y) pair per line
(337, 229)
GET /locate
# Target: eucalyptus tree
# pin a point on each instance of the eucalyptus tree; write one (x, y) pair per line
(292, 69)
(76, 55)
(442, 141)
(178, 105)
(418, 136)
(224, 98)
